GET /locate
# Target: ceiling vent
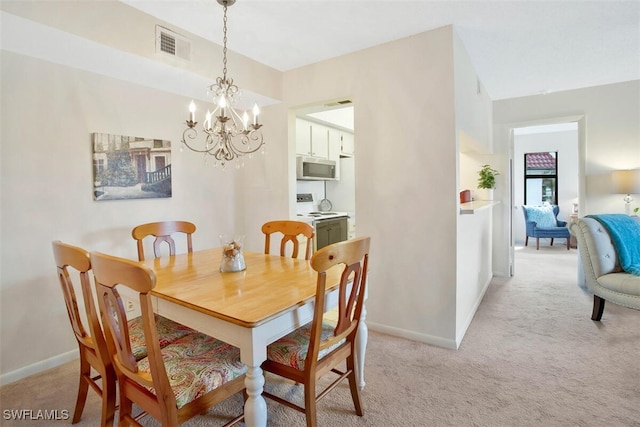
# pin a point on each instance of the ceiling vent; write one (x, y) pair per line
(172, 44)
(334, 104)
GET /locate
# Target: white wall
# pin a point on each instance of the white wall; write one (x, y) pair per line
(566, 144)
(342, 193)
(406, 190)
(407, 175)
(47, 190)
(474, 145)
(474, 239)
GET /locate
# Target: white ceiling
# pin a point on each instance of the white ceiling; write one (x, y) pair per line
(342, 117)
(518, 48)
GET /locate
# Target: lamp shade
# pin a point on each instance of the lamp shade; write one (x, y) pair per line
(625, 182)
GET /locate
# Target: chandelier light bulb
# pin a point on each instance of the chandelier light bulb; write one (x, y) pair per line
(192, 111)
(222, 103)
(207, 122)
(245, 120)
(256, 111)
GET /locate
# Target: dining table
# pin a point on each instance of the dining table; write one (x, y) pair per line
(249, 309)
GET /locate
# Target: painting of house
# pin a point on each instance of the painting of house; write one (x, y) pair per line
(127, 167)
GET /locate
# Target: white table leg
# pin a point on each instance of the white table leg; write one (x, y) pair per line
(361, 347)
(255, 408)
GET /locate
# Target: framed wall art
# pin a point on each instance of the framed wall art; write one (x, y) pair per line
(127, 167)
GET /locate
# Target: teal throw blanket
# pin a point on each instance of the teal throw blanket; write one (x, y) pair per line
(625, 235)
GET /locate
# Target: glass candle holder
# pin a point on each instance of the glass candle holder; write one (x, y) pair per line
(232, 258)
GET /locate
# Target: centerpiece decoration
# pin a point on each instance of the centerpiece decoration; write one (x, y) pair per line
(232, 257)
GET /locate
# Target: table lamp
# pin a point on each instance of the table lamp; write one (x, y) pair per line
(626, 182)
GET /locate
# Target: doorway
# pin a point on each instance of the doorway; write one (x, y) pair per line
(141, 167)
(327, 131)
(561, 141)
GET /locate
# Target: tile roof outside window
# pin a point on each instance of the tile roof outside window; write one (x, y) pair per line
(540, 161)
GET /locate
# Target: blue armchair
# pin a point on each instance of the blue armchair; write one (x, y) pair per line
(542, 221)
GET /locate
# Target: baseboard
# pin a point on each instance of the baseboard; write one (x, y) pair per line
(38, 367)
(430, 339)
(411, 335)
(460, 333)
(499, 273)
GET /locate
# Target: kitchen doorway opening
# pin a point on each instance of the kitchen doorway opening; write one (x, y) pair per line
(325, 133)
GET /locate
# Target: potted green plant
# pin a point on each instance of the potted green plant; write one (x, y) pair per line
(487, 180)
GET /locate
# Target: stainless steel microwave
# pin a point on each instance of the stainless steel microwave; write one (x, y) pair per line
(315, 169)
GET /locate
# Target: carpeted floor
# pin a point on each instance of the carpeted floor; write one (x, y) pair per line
(531, 357)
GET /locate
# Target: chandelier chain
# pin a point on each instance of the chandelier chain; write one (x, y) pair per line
(224, 43)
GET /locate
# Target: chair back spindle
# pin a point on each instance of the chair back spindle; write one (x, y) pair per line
(355, 258)
(290, 231)
(162, 231)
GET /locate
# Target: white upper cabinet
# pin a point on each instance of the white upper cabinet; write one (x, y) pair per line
(341, 142)
(347, 144)
(312, 139)
(319, 141)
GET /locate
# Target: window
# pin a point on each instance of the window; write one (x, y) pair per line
(541, 178)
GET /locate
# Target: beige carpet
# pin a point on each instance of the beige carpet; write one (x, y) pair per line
(531, 357)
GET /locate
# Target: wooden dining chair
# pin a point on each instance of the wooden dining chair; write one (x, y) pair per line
(91, 342)
(313, 350)
(174, 383)
(162, 232)
(290, 230)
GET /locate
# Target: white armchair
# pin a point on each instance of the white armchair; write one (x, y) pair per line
(602, 271)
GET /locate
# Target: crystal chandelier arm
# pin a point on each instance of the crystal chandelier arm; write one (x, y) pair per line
(189, 134)
(251, 142)
(238, 122)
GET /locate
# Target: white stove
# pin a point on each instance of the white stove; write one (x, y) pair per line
(306, 208)
(330, 226)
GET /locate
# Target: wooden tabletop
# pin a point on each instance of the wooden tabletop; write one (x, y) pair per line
(268, 287)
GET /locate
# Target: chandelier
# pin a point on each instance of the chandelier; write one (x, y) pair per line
(228, 135)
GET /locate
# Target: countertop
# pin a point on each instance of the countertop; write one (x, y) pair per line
(472, 207)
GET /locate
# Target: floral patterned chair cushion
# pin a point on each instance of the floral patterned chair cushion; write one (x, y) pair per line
(292, 349)
(197, 364)
(168, 331)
